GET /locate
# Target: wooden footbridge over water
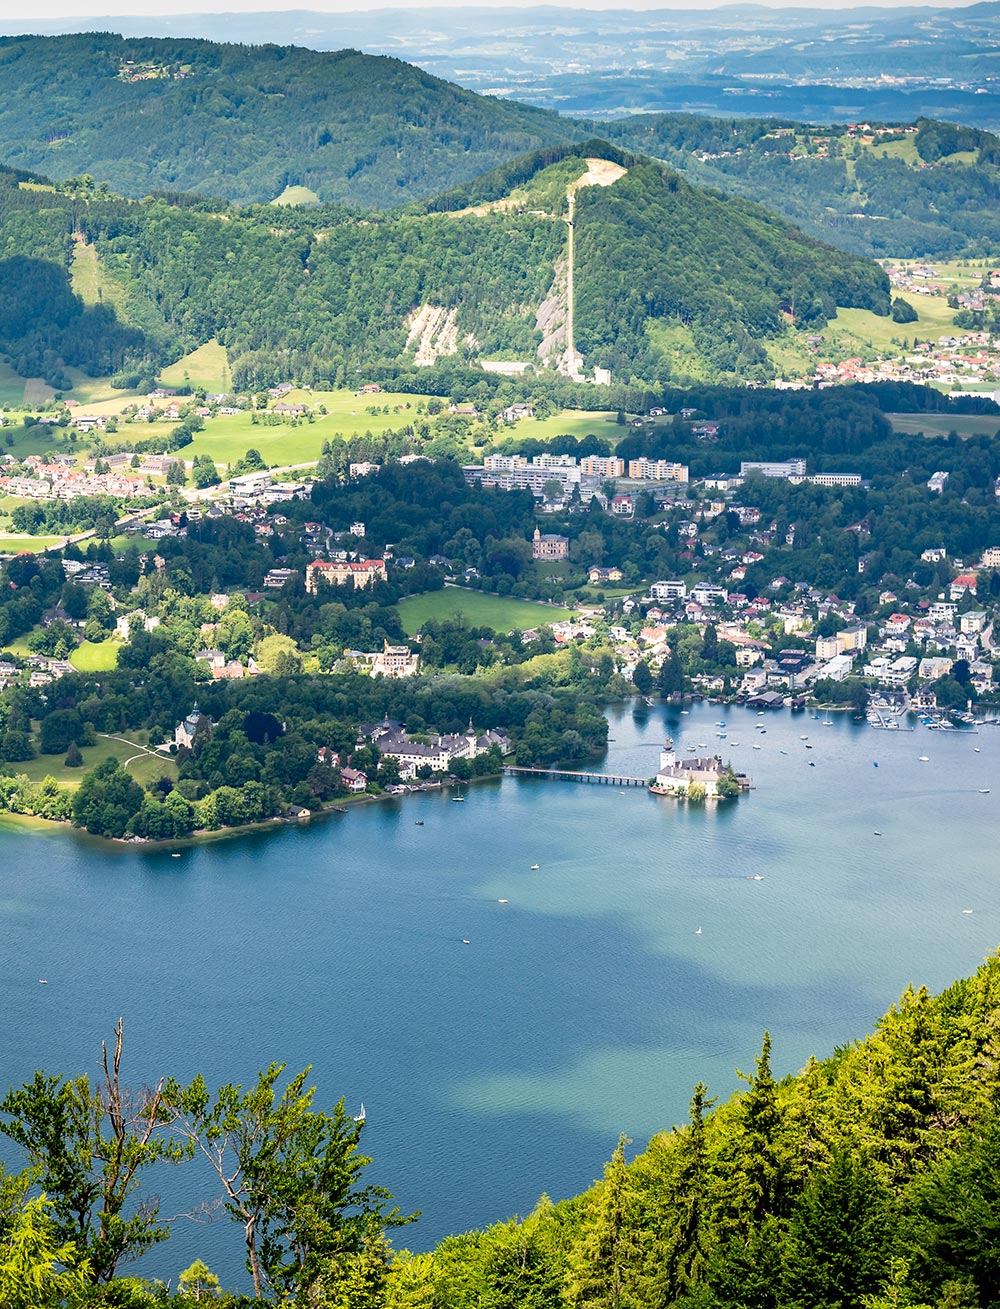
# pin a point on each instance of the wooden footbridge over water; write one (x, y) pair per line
(564, 775)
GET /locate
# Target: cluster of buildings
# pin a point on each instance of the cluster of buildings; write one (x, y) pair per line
(793, 471)
(434, 753)
(260, 488)
(907, 645)
(56, 477)
(586, 476)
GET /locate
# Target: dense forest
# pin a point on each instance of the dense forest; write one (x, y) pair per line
(867, 1181)
(724, 269)
(327, 295)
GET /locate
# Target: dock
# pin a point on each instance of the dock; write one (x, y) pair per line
(564, 775)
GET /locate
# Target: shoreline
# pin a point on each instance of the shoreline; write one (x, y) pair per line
(205, 836)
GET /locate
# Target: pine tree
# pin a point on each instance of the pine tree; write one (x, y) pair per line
(759, 1182)
(607, 1254)
(837, 1247)
(670, 680)
(686, 1246)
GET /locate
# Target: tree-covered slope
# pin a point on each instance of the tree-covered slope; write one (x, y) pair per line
(930, 189)
(653, 249)
(244, 122)
(868, 1181)
(328, 292)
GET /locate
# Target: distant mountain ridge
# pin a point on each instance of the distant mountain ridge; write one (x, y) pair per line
(252, 124)
(891, 64)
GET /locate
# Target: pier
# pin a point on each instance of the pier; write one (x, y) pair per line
(564, 775)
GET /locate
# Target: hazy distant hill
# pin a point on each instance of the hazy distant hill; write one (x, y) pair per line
(245, 122)
(928, 189)
(252, 123)
(849, 64)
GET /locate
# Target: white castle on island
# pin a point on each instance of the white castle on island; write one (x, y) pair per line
(677, 775)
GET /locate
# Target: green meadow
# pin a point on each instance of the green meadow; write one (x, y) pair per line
(478, 608)
(944, 424)
(934, 319)
(95, 656)
(144, 767)
(207, 367)
(227, 438)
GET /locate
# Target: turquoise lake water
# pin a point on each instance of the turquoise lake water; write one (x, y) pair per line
(584, 1006)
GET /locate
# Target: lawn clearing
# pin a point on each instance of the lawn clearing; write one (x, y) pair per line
(227, 439)
(568, 422)
(37, 392)
(91, 280)
(478, 608)
(207, 367)
(296, 195)
(934, 319)
(944, 424)
(11, 386)
(28, 544)
(140, 764)
(95, 656)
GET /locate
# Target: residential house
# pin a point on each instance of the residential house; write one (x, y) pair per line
(549, 546)
(597, 575)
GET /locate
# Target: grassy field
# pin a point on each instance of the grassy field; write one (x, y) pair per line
(934, 319)
(904, 149)
(677, 344)
(500, 612)
(91, 281)
(568, 422)
(296, 195)
(208, 366)
(145, 768)
(95, 656)
(11, 386)
(27, 544)
(944, 424)
(95, 393)
(226, 439)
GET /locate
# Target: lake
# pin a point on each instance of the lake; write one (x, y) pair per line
(586, 1003)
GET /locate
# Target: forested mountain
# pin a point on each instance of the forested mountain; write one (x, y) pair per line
(252, 123)
(244, 122)
(328, 294)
